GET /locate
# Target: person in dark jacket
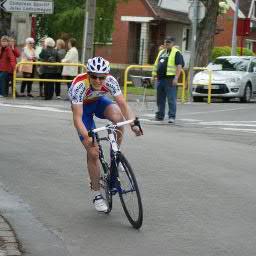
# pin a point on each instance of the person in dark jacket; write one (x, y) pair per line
(7, 65)
(60, 47)
(49, 54)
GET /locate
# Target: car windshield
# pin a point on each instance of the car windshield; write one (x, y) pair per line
(232, 64)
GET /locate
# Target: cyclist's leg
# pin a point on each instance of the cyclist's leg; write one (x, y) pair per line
(92, 158)
(108, 110)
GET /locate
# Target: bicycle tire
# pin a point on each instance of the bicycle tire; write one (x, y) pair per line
(131, 187)
(105, 185)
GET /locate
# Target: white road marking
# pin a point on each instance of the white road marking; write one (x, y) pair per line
(213, 111)
(50, 109)
(227, 123)
(240, 130)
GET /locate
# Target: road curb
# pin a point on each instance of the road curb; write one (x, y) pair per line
(9, 245)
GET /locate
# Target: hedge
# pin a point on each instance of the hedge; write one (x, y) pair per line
(226, 51)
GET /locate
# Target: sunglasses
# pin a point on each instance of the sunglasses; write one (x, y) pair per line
(101, 78)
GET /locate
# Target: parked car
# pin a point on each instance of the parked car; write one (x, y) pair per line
(232, 77)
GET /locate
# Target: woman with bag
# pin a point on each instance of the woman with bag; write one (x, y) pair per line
(28, 54)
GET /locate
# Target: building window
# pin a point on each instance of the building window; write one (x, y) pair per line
(249, 45)
(187, 39)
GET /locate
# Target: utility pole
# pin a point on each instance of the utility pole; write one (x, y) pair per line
(234, 37)
(194, 20)
(89, 24)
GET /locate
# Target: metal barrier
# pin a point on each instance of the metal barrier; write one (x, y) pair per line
(15, 79)
(209, 84)
(183, 82)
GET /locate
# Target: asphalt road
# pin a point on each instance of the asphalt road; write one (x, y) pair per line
(197, 179)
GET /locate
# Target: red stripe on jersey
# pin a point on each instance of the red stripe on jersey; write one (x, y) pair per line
(80, 78)
(104, 88)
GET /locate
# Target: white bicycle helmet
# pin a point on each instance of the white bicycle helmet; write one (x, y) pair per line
(98, 65)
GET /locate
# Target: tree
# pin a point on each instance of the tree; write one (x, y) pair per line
(5, 19)
(68, 20)
(207, 30)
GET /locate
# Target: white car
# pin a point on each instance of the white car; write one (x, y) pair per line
(232, 77)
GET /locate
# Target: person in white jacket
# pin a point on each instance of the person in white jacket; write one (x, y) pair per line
(70, 72)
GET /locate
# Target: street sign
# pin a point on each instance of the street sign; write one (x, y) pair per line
(40, 7)
(200, 11)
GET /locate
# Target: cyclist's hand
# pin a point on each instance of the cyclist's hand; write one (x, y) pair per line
(136, 130)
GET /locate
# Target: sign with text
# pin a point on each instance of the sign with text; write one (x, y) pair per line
(39, 7)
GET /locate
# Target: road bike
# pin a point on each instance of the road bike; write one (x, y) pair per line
(117, 176)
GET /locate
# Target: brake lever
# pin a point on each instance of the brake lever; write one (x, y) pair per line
(137, 123)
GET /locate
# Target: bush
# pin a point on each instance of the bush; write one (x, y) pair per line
(226, 51)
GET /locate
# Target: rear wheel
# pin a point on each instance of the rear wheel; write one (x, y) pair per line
(105, 186)
(129, 193)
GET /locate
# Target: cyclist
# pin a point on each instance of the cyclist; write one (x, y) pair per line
(88, 98)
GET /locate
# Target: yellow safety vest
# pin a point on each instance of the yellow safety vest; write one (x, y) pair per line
(171, 67)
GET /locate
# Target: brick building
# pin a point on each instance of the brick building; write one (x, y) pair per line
(140, 28)
(247, 9)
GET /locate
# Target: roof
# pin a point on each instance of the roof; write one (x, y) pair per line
(244, 6)
(165, 14)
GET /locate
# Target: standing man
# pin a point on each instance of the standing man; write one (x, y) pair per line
(166, 70)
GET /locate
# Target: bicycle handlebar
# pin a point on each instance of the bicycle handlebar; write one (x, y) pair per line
(113, 126)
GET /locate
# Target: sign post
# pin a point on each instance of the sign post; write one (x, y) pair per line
(196, 14)
(35, 7)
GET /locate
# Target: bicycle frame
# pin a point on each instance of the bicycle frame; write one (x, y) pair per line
(114, 151)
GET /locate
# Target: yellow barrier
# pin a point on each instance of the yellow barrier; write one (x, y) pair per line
(183, 83)
(209, 84)
(15, 79)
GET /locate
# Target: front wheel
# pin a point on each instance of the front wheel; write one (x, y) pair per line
(129, 193)
(247, 94)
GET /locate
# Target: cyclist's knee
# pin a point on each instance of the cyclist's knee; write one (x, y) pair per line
(117, 117)
(92, 154)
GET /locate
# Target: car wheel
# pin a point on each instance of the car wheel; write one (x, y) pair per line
(198, 99)
(247, 94)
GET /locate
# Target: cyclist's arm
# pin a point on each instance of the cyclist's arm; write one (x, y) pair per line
(78, 122)
(125, 109)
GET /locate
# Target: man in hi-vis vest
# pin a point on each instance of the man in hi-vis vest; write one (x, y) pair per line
(166, 70)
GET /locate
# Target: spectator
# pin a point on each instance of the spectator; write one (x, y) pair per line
(161, 47)
(70, 72)
(60, 46)
(39, 48)
(16, 52)
(7, 65)
(28, 70)
(167, 69)
(49, 54)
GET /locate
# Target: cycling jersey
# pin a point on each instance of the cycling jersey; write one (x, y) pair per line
(81, 92)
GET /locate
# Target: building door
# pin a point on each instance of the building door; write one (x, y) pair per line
(134, 42)
(157, 34)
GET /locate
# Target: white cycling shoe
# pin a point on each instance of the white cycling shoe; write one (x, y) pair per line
(100, 204)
